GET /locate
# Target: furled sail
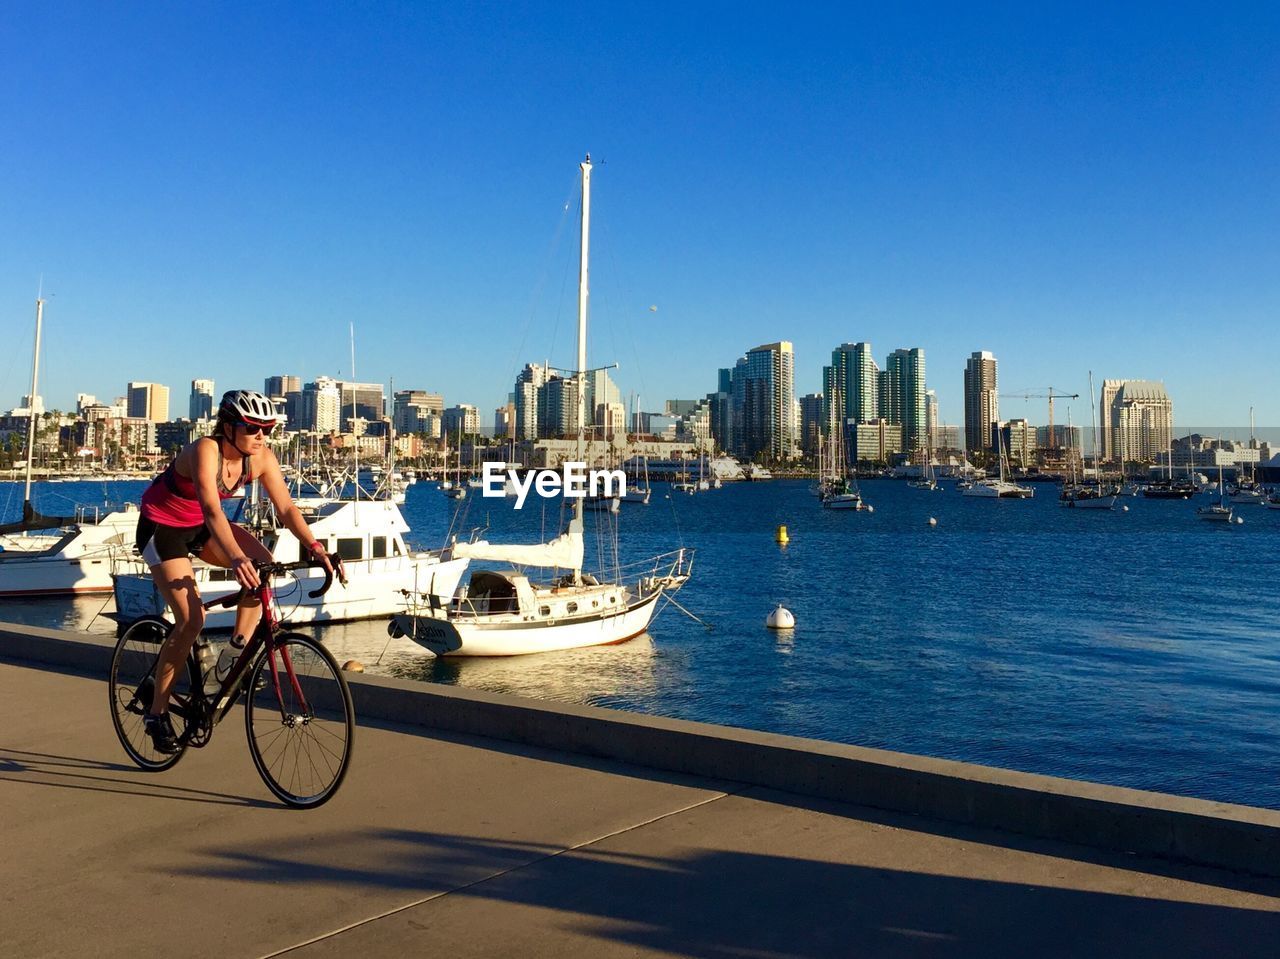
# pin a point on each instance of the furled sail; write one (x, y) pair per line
(563, 552)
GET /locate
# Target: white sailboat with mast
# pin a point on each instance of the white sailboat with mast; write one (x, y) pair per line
(61, 555)
(504, 613)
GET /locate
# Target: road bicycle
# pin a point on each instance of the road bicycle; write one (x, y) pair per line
(297, 711)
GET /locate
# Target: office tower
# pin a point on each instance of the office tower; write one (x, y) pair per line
(981, 402)
(149, 401)
(282, 385)
(202, 402)
(410, 409)
(365, 401)
(1135, 421)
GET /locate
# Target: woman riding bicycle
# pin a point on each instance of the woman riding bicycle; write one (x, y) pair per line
(182, 517)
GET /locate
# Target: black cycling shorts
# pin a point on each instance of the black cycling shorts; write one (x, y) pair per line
(157, 542)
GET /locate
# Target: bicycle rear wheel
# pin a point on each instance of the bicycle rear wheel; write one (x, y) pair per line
(131, 685)
(300, 721)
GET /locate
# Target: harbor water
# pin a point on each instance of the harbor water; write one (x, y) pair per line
(1137, 648)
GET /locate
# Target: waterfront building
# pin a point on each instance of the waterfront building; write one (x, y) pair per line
(600, 390)
(462, 420)
(364, 400)
(764, 401)
(320, 404)
(1135, 421)
(1062, 437)
(83, 401)
(201, 404)
(610, 420)
(275, 386)
(149, 401)
(981, 402)
(410, 408)
(504, 421)
(680, 408)
(850, 386)
(557, 405)
(722, 410)
(931, 419)
(812, 419)
(873, 443)
(903, 396)
(528, 384)
(1018, 440)
(171, 437)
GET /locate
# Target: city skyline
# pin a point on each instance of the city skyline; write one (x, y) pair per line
(1068, 197)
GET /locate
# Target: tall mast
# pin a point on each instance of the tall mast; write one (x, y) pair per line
(31, 401)
(355, 437)
(582, 315)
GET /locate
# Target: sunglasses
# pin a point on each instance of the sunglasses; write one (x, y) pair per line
(253, 429)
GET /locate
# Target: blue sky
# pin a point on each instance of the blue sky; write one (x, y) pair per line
(218, 190)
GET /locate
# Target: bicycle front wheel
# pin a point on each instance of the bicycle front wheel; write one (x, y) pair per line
(131, 685)
(300, 721)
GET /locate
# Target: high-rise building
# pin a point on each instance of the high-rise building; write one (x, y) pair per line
(902, 396)
(557, 405)
(366, 401)
(282, 385)
(320, 406)
(931, 419)
(981, 402)
(850, 386)
(811, 421)
(504, 421)
(461, 420)
(600, 392)
(1135, 421)
(1018, 441)
(525, 396)
(410, 409)
(764, 398)
(202, 403)
(149, 401)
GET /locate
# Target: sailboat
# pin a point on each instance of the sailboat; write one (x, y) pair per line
(837, 489)
(928, 478)
(455, 489)
(1221, 512)
(62, 555)
(505, 613)
(998, 488)
(1077, 494)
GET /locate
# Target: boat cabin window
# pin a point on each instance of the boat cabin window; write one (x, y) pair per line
(572, 608)
(544, 610)
(378, 547)
(351, 547)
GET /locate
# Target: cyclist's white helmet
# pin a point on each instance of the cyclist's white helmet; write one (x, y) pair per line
(246, 406)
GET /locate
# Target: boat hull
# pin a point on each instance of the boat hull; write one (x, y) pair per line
(80, 561)
(374, 589)
(474, 636)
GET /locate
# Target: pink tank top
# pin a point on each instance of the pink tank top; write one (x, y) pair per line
(171, 499)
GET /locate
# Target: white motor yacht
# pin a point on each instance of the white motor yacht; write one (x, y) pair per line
(368, 535)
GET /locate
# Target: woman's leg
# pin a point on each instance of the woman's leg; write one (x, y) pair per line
(177, 584)
(250, 610)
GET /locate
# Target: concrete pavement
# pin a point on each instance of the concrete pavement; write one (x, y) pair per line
(462, 846)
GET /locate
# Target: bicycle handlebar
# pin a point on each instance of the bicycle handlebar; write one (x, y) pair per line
(266, 570)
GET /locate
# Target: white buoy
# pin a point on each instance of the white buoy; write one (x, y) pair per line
(870, 508)
(1239, 520)
(1123, 508)
(932, 521)
(780, 618)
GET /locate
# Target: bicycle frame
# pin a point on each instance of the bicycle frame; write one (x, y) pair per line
(263, 635)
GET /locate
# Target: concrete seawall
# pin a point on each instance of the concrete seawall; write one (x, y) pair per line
(1106, 817)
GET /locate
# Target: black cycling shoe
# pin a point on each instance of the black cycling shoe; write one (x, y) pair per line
(160, 729)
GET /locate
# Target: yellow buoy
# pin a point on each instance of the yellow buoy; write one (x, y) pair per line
(353, 666)
(783, 538)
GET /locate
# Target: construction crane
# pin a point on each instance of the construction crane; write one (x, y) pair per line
(1050, 393)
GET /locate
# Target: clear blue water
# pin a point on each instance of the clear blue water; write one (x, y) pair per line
(1135, 648)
